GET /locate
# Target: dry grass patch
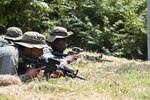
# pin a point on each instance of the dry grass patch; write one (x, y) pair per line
(118, 79)
(9, 80)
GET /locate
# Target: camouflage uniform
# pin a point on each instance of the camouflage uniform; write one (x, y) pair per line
(8, 60)
(49, 52)
(57, 32)
(8, 53)
(29, 40)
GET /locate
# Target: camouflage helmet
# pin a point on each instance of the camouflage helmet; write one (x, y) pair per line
(58, 32)
(13, 33)
(32, 39)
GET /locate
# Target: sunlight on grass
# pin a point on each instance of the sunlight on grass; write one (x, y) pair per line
(7, 97)
(120, 79)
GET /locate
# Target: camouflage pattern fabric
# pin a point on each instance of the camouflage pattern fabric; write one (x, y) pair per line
(8, 60)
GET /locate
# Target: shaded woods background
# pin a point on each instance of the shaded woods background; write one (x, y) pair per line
(113, 27)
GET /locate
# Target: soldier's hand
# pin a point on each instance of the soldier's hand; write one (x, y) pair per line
(72, 58)
(57, 74)
(33, 72)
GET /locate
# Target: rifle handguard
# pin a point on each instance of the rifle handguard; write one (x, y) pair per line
(69, 69)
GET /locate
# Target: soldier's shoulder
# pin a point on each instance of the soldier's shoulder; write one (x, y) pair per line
(47, 49)
(3, 41)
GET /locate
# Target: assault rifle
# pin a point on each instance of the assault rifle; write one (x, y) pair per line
(77, 50)
(53, 65)
(66, 69)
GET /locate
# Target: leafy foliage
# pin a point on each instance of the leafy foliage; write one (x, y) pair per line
(114, 27)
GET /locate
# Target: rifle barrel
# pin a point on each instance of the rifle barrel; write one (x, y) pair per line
(80, 78)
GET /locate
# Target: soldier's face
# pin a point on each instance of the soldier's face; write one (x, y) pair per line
(60, 44)
(32, 52)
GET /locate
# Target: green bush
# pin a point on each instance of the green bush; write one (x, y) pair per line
(114, 27)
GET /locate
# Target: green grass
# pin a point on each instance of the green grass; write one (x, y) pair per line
(120, 79)
(7, 97)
